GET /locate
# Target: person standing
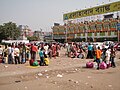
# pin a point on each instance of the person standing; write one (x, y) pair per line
(1, 51)
(16, 54)
(12, 52)
(23, 60)
(50, 51)
(46, 48)
(68, 50)
(113, 57)
(10, 58)
(90, 51)
(33, 51)
(41, 54)
(5, 54)
(107, 59)
(98, 56)
(54, 50)
(1, 54)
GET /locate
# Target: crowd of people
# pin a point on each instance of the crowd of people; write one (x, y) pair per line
(20, 53)
(91, 51)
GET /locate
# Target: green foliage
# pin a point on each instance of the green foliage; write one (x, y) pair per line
(9, 31)
(32, 38)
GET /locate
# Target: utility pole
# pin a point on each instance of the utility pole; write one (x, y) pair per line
(86, 32)
(66, 33)
(40, 35)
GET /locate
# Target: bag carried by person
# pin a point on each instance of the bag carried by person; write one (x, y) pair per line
(35, 63)
(46, 61)
(89, 64)
(103, 65)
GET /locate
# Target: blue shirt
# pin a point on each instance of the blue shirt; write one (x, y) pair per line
(41, 54)
(90, 48)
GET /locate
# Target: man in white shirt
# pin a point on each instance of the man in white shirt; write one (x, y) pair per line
(16, 55)
(108, 57)
(46, 49)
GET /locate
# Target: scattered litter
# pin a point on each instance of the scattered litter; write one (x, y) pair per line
(70, 80)
(110, 85)
(55, 82)
(46, 70)
(76, 82)
(47, 76)
(17, 81)
(59, 75)
(36, 77)
(5, 66)
(40, 74)
(26, 88)
(76, 69)
(88, 76)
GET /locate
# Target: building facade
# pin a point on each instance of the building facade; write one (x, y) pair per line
(25, 32)
(90, 30)
(39, 35)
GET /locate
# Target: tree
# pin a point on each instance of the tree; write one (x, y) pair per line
(1, 28)
(32, 38)
(9, 31)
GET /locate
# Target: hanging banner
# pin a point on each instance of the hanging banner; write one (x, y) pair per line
(112, 7)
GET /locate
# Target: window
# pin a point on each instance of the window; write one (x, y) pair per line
(102, 34)
(89, 34)
(106, 26)
(99, 26)
(92, 27)
(113, 25)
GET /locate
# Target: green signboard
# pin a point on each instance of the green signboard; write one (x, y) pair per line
(112, 7)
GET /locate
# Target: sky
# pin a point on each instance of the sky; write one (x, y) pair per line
(42, 14)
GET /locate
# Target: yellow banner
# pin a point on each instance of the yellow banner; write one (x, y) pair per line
(112, 7)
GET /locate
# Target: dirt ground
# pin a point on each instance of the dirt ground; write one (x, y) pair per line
(63, 73)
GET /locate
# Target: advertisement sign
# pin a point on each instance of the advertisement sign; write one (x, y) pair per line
(112, 7)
